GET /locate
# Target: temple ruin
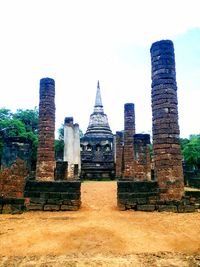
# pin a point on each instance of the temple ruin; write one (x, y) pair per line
(145, 182)
(97, 145)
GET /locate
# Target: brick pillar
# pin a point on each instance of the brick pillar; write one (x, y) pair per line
(129, 131)
(142, 166)
(45, 153)
(166, 148)
(119, 154)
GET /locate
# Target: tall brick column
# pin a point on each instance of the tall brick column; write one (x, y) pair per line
(129, 131)
(45, 153)
(166, 148)
(119, 154)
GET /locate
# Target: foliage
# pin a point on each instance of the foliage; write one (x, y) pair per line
(191, 151)
(23, 123)
(59, 149)
(29, 118)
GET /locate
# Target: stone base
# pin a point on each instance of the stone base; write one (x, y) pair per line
(145, 196)
(12, 205)
(53, 195)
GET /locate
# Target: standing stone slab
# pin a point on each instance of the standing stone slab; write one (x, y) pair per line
(72, 148)
(166, 147)
(129, 131)
(45, 153)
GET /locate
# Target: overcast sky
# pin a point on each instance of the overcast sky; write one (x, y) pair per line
(79, 42)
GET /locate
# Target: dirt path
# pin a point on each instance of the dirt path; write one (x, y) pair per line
(100, 235)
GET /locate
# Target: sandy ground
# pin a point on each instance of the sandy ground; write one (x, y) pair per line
(100, 235)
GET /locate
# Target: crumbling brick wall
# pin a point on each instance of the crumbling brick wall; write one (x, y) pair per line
(13, 179)
(166, 148)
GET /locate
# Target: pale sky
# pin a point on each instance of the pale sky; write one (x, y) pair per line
(79, 42)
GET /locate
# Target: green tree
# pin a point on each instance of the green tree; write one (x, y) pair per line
(29, 117)
(191, 151)
(23, 123)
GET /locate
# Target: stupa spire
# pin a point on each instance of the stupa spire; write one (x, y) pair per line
(98, 124)
(98, 101)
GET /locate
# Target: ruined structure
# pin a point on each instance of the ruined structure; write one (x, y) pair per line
(13, 175)
(129, 131)
(16, 147)
(132, 150)
(135, 190)
(166, 147)
(97, 149)
(166, 193)
(72, 148)
(45, 193)
(45, 153)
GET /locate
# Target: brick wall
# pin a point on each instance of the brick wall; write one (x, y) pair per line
(53, 195)
(12, 180)
(146, 196)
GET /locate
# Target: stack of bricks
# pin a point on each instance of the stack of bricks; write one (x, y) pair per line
(12, 182)
(53, 195)
(129, 131)
(145, 196)
(166, 148)
(45, 153)
(119, 154)
(142, 165)
(12, 179)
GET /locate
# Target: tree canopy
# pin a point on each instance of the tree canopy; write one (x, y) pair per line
(23, 123)
(191, 151)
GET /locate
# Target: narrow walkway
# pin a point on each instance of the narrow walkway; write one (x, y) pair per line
(99, 195)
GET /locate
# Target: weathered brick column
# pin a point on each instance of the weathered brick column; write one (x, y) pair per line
(129, 131)
(119, 154)
(166, 148)
(142, 166)
(45, 153)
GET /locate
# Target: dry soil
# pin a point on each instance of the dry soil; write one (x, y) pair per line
(100, 235)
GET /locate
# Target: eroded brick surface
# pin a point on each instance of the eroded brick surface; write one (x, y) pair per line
(166, 148)
(129, 131)
(12, 180)
(45, 153)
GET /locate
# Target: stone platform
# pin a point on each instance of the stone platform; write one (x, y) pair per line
(145, 196)
(53, 195)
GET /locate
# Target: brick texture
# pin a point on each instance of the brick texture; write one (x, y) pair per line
(129, 131)
(45, 153)
(12, 179)
(166, 148)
